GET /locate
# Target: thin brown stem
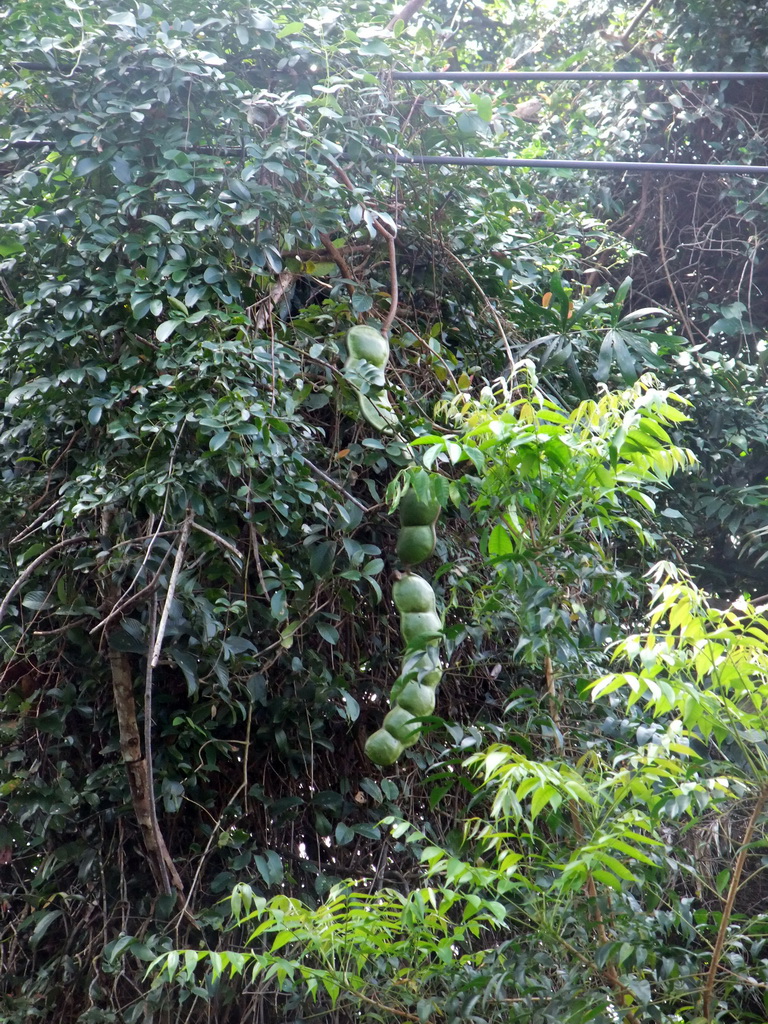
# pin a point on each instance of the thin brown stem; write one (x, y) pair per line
(336, 256)
(16, 587)
(388, 1009)
(665, 267)
(609, 971)
(162, 866)
(382, 230)
(34, 524)
(185, 909)
(610, 976)
(219, 540)
(549, 675)
(738, 870)
(636, 21)
(254, 535)
(394, 295)
(322, 475)
(489, 305)
(126, 602)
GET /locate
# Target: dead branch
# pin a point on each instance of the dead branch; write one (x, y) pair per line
(178, 562)
(219, 540)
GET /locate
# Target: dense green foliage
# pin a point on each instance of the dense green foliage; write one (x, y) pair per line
(206, 490)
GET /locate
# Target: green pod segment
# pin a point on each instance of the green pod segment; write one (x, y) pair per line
(378, 411)
(417, 663)
(383, 748)
(412, 593)
(414, 512)
(432, 679)
(415, 544)
(397, 688)
(360, 372)
(419, 627)
(369, 344)
(401, 725)
(417, 698)
(418, 667)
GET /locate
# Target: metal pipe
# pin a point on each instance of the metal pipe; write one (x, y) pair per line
(578, 76)
(607, 165)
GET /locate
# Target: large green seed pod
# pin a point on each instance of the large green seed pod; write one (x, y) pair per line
(418, 627)
(417, 698)
(414, 512)
(412, 593)
(415, 544)
(401, 724)
(364, 369)
(382, 748)
(367, 343)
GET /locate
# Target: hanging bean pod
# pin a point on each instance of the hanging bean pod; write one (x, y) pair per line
(412, 593)
(365, 368)
(413, 694)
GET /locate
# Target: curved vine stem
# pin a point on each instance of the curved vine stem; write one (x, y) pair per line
(394, 292)
(381, 229)
(488, 303)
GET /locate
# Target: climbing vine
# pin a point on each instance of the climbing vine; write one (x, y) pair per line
(307, 454)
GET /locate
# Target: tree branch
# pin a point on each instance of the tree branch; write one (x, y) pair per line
(162, 866)
(635, 21)
(178, 562)
(405, 13)
(16, 587)
(321, 475)
(148, 757)
(219, 540)
(124, 603)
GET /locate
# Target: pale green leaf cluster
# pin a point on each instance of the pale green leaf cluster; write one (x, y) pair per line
(705, 666)
(550, 469)
(330, 949)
